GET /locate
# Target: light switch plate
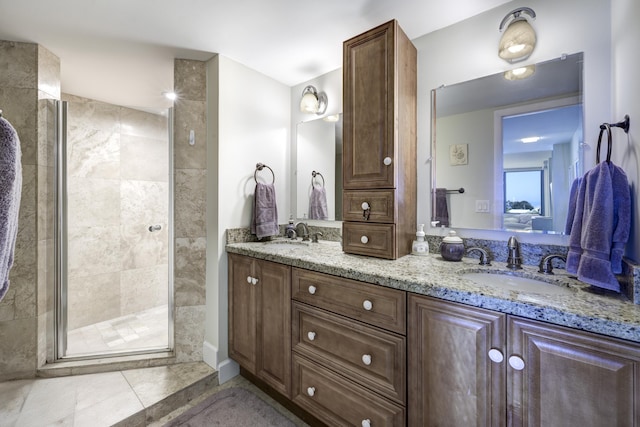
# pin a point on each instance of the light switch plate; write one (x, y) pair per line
(482, 206)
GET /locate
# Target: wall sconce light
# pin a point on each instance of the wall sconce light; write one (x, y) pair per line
(313, 101)
(520, 73)
(519, 38)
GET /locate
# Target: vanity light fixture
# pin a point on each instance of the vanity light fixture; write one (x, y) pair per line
(520, 73)
(313, 101)
(518, 39)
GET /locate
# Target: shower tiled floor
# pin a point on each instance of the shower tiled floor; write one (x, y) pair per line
(144, 330)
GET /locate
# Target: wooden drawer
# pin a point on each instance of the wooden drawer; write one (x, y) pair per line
(381, 204)
(367, 355)
(377, 240)
(349, 297)
(337, 401)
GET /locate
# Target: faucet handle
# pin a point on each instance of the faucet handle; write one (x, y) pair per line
(314, 236)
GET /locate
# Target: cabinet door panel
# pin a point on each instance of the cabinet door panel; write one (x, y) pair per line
(452, 381)
(571, 378)
(274, 325)
(242, 312)
(369, 109)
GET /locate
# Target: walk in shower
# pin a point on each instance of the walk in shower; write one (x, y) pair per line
(114, 230)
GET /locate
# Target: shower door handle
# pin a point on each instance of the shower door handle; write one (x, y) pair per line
(153, 228)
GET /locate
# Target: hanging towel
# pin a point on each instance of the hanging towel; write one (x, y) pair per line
(601, 225)
(573, 198)
(264, 220)
(10, 192)
(318, 203)
(442, 210)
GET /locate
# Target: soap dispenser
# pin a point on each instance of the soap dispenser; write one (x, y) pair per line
(289, 230)
(420, 245)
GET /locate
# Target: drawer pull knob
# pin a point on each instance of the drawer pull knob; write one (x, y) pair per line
(311, 391)
(366, 423)
(365, 206)
(516, 363)
(312, 289)
(364, 240)
(387, 161)
(311, 336)
(496, 355)
(254, 281)
(366, 359)
(367, 305)
(249, 279)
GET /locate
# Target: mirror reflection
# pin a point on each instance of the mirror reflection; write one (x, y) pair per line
(319, 153)
(514, 145)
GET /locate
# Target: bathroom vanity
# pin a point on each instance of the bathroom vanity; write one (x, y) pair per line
(413, 342)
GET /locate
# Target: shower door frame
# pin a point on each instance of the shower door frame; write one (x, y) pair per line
(60, 231)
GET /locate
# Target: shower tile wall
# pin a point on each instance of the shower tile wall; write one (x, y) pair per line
(117, 186)
(29, 79)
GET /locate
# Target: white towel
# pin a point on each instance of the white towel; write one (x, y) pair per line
(10, 192)
(318, 203)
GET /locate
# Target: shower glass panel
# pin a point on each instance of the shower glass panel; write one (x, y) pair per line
(115, 228)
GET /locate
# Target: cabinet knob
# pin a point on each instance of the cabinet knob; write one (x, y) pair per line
(366, 359)
(516, 363)
(311, 391)
(367, 305)
(365, 206)
(366, 423)
(312, 290)
(311, 335)
(496, 355)
(364, 240)
(249, 279)
(387, 161)
(254, 281)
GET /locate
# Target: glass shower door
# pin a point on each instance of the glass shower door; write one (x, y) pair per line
(114, 230)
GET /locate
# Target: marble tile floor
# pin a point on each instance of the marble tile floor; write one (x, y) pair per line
(128, 398)
(143, 330)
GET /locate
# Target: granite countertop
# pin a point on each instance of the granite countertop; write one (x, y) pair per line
(431, 275)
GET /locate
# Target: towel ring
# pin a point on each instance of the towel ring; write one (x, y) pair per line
(259, 167)
(603, 127)
(315, 174)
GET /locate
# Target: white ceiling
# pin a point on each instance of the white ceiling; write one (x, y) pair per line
(121, 51)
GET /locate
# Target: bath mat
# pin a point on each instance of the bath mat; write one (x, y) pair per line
(231, 407)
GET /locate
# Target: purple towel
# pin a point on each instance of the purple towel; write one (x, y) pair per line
(442, 209)
(10, 192)
(318, 203)
(264, 220)
(601, 226)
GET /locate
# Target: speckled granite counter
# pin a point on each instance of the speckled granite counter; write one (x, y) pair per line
(431, 275)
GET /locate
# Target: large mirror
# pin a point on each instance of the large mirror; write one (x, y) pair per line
(318, 169)
(507, 147)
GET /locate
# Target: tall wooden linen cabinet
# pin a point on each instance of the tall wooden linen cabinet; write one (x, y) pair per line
(379, 158)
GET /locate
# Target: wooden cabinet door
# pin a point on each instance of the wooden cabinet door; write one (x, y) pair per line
(274, 325)
(571, 378)
(242, 312)
(368, 135)
(452, 381)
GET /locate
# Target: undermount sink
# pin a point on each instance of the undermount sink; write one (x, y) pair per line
(286, 244)
(517, 283)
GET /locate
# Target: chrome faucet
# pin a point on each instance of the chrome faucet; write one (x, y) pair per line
(546, 266)
(514, 260)
(484, 256)
(305, 231)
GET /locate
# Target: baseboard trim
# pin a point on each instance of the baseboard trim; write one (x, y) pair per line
(227, 369)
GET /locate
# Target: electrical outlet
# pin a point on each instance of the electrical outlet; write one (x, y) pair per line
(482, 206)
